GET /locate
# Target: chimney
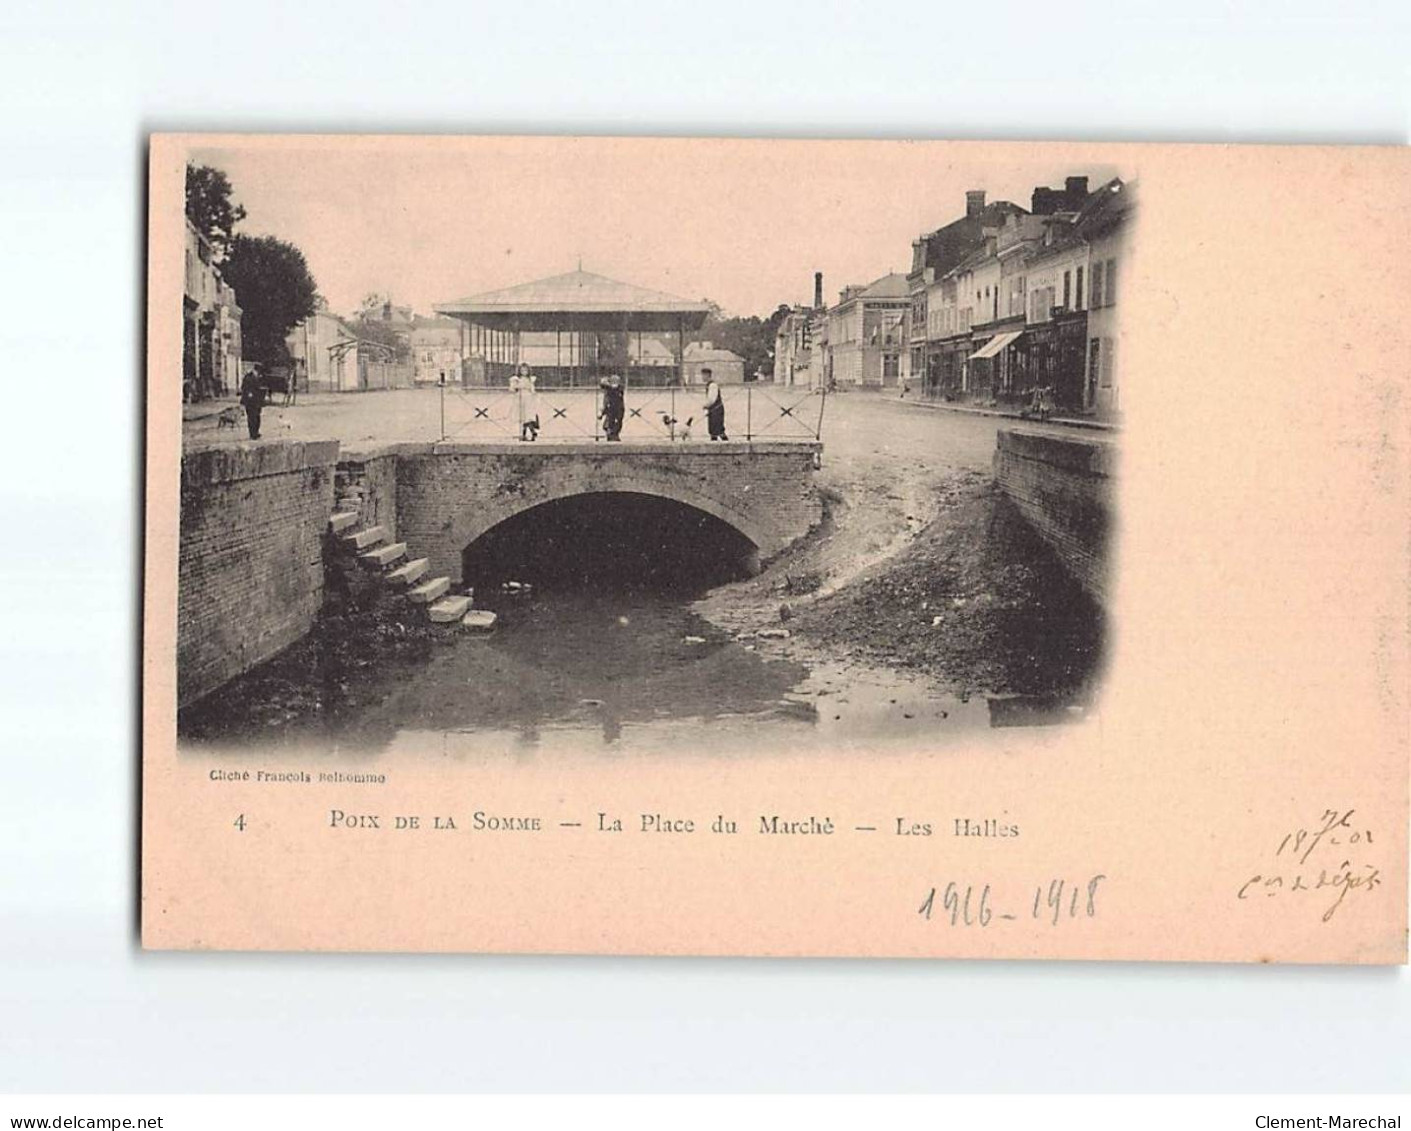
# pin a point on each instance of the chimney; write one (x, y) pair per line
(1076, 186)
(974, 203)
(818, 290)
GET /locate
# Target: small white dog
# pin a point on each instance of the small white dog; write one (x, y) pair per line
(680, 429)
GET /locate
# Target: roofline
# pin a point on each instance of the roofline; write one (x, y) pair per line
(682, 307)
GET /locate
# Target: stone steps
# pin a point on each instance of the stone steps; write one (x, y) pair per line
(400, 571)
(408, 572)
(363, 539)
(449, 609)
(429, 591)
(384, 556)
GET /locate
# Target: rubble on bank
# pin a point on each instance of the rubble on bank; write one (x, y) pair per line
(973, 600)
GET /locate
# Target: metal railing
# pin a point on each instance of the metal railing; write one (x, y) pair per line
(654, 413)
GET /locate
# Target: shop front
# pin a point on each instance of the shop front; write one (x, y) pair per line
(1054, 358)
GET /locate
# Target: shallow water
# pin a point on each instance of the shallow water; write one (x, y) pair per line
(602, 654)
(612, 673)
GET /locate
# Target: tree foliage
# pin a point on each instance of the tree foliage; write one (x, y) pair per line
(751, 337)
(275, 291)
(370, 309)
(209, 207)
(373, 328)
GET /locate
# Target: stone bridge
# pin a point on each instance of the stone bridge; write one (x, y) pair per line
(255, 520)
(439, 498)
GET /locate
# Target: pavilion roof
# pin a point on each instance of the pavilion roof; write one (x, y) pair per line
(578, 300)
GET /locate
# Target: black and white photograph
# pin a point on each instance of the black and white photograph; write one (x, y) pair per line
(570, 448)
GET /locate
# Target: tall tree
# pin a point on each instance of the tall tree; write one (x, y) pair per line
(209, 207)
(275, 291)
(751, 337)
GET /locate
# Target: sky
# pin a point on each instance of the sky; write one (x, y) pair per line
(743, 223)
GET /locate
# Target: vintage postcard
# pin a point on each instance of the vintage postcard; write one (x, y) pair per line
(771, 547)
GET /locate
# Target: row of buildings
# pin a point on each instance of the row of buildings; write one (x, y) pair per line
(210, 324)
(330, 353)
(998, 303)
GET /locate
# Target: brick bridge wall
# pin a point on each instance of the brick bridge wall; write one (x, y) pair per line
(1064, 486)
(375, 473)
(250, 573)
(449, 495)
(254, 518)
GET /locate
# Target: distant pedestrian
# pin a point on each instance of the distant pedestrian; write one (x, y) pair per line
(714, 408)
(252, 396)
(614, 406)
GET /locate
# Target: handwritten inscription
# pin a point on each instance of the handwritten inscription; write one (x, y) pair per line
(1325, 862)
(976, 905)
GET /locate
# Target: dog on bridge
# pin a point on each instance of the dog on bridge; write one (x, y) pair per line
(678, 429)
(228, 418)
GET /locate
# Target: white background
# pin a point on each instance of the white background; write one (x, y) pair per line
(81, 1009)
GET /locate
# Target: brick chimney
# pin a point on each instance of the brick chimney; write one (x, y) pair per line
(974, 203)
(818, 290)
(1076, 187)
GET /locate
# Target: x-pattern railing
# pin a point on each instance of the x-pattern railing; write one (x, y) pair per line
(651, 413)
(790, 420)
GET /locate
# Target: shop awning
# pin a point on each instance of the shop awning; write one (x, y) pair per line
(995, 344)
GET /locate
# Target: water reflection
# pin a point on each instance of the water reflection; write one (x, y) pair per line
(599, 653)
(586, 659)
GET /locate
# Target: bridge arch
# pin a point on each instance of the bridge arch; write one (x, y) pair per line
(450, 495)
(480, 517)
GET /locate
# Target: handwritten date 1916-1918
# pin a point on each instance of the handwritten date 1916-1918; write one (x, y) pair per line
(974, 905)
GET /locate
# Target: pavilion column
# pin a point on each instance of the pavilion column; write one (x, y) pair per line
(626, 345)
(681, 351)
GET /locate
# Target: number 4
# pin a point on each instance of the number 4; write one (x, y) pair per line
(240, 822)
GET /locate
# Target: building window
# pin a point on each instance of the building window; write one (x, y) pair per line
(1095, 294)
(1112, 282)
(1067, 283)
(1078, 290)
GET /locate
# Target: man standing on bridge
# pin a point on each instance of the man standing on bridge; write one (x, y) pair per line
(714, 407)
(614, 406)
(252, 396)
